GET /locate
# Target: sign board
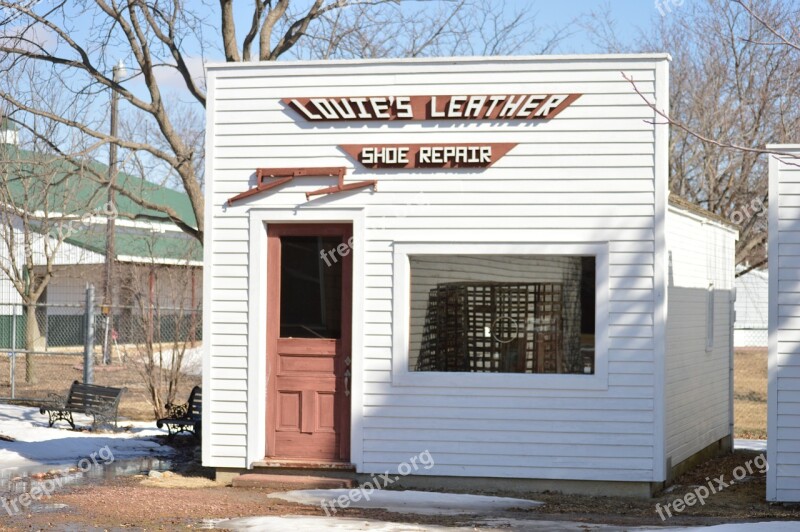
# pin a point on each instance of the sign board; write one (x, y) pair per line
(460, 155)
(458, 107)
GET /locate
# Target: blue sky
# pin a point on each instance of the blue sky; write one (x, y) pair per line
(631, 16)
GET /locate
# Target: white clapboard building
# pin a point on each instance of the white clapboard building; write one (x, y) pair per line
(783, 417)
(475, 257)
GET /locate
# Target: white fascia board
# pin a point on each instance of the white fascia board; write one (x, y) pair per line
(694, 216)
(219, 65)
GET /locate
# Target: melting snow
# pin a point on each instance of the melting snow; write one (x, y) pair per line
(37, 444)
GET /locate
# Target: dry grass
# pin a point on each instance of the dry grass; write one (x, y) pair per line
(750, 392)
(55, 374)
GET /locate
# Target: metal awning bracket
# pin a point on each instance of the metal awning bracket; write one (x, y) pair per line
(269, 178)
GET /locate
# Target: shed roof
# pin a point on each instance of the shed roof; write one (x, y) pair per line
(75, 189)
(683, 203)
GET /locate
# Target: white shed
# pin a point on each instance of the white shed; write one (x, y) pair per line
(473, 257)
(783, 396)
(752, 295)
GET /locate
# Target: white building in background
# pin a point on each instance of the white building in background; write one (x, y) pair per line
(477, 257)
(783, 418)
(752, 305)
(146, 245)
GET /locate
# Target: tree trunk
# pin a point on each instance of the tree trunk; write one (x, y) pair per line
(34, 341)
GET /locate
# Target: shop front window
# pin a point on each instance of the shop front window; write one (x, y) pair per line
(502, 313)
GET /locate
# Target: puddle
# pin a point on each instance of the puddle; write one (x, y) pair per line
(49, 478)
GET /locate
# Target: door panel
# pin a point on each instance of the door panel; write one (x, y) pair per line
(308, 342)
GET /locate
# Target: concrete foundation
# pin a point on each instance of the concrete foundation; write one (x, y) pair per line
(718, 448)
(225, 475)
(525, 486)
(522, 486)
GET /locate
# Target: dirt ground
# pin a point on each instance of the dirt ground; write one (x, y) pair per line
(190, 500)
(55, 374)
(750, 392)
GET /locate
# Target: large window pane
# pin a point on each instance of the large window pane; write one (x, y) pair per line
(502, 313)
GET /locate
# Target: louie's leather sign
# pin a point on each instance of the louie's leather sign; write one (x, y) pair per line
(463, 107)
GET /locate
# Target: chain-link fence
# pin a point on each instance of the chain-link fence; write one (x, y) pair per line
(154, 351)
(750, 359)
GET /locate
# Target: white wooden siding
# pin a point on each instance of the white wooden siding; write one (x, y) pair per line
(594, 174)
(67, 254)
(698, 382)
(783, 426)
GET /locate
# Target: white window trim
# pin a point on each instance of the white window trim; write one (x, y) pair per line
(401, 301)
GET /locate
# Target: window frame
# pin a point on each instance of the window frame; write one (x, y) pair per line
(401, 328)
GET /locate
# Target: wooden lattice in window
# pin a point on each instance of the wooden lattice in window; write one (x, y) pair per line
(494, 327)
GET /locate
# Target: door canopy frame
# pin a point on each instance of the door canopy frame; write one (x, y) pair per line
(282, 176)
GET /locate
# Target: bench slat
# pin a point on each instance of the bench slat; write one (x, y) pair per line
(98, 401)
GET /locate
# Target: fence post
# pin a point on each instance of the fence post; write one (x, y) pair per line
(88, 342)
(13, 352)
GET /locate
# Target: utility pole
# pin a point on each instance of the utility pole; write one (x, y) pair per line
(108, 284)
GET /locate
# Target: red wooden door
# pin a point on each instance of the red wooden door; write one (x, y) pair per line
(309, 295)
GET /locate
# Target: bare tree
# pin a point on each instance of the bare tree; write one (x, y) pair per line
(165, 42)
(160, 323)
(43, 199)
(734, 88)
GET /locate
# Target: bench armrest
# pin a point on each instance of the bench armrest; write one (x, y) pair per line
(56, 400)
(176, 411)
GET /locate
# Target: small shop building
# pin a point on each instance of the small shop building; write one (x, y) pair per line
(473, 257)
(783, 395)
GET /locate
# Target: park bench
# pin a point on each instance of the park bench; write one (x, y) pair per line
(100, 402)
(186, 417)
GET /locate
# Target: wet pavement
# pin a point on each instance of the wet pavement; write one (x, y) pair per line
(27, 489)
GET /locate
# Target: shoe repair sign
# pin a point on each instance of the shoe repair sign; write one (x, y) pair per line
(428, 155)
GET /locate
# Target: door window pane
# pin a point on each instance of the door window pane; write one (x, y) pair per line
(311, 287)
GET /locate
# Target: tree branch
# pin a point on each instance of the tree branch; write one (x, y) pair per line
(703, 138)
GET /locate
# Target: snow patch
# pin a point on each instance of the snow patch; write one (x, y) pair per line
(416, 502)
(294, 523)
(750, 445)
(768, 526)
(37, 444)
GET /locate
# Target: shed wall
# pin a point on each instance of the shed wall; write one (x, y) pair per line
(594, 174)
(698, 370)
(783, 426)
